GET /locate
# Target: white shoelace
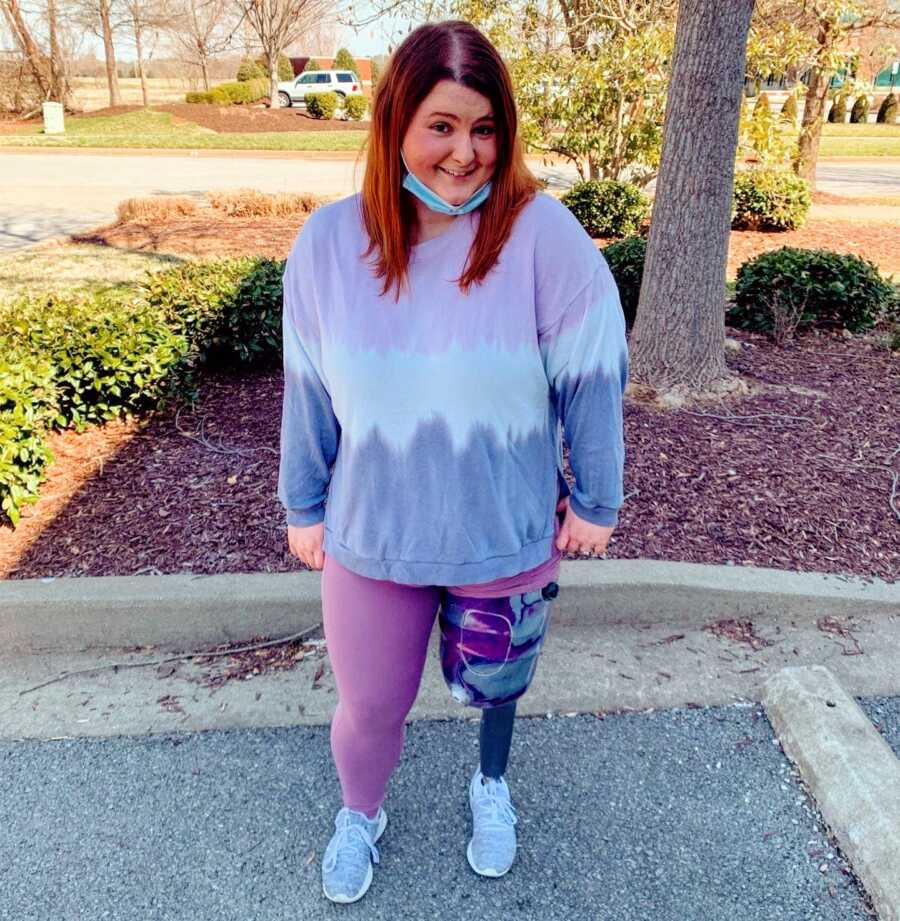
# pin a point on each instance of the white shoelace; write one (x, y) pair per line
(343, 843)
(495, 812)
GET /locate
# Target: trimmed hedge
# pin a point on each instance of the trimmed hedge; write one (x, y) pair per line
(769, 199)
(859, 114)
(792, 289)
(606, 207)
(355, 107)
(238, 92)
(75, 360)
(887, 111)
(321, 105)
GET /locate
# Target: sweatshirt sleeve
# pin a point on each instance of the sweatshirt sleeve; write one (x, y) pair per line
(585, 356)
(310, 432)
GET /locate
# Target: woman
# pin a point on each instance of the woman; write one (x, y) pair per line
(438, 327)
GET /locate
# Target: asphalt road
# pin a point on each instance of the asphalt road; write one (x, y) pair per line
(670, 815)
(48, 194)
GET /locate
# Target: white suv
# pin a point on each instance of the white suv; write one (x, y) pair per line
(342, 82)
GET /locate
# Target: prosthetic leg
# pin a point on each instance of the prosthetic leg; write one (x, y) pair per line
(489, 652)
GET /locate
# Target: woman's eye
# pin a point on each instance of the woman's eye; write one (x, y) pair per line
(440, 126)
(485, 130)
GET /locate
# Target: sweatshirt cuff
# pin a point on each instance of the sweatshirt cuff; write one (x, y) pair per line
(606, 517)
(304, 517)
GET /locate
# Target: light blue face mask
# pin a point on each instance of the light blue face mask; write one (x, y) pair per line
(434, 201)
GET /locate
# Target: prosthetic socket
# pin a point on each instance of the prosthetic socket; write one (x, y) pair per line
(490, 646)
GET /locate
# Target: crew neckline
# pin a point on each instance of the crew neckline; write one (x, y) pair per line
(432, 242)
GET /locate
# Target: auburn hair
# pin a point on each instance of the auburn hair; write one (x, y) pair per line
(452, 50)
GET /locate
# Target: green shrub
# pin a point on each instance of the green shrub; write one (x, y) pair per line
(322, 105)
(198, 97)
(250, 70)
(229, 311)
(626, 262)
(27, 402)
(284, 69)
(110, 355)
(789, 109)
(343, 60)
(887, 111)
(762, 105)
(769, 199)
(838, 112)
(607, 208)
(796, 289)
(311, 65)
(355, 107)
(859, 114)
(220, 95)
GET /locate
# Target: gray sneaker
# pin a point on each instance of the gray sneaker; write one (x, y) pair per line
(347, 864)
(492, 850)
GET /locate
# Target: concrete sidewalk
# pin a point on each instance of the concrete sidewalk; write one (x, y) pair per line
(629, 639)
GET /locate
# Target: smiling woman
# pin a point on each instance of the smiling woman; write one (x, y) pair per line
(438, 329)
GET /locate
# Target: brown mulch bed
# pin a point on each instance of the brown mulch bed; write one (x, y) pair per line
(798, 476)
(207, 237)
(272, 237)
(238, 118)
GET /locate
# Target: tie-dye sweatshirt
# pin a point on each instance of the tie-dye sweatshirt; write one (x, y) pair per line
(432, 426)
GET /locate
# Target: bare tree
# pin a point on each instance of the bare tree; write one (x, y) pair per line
(49, 71)
(146, 16)
(277, 24)
(202, 29)
(679, 333)
(103, 18)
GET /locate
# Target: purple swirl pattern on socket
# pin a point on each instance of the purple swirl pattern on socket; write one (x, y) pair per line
(489, 647)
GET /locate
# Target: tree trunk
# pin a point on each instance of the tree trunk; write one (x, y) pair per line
(273, 80)
(112, 76)
(204, 70)
(811, 126)
(139, 50)
(679, 333)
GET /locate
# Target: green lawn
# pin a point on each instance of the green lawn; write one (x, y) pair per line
(146, 128)
(80, 267)
(856, 131)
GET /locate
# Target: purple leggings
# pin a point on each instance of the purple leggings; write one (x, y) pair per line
(377, 635)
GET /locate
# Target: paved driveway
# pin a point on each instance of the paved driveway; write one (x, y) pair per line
(51, 193)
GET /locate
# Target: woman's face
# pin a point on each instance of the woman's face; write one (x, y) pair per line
(451, 143)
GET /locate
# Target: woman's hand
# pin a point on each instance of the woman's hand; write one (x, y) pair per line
(579, 536)
(306, 544)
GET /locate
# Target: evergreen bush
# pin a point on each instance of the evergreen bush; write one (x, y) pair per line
(607, 207)
(792, 289)
(355, 107)
(322, 105)
(887, 111)
(250, 70)
(859, 114)
(769, 199)
(343, 60)
(837, 114)
(789, 109)
(626, 262)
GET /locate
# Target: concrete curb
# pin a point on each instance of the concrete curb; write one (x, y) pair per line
(849, 769)
(180, 611)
